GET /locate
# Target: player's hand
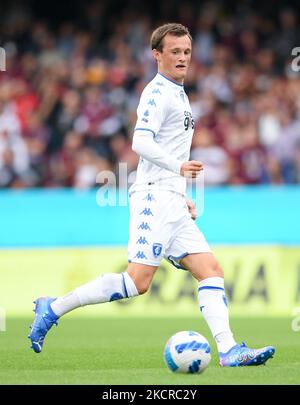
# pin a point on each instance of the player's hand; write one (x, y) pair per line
(191, 169)
(192, 209)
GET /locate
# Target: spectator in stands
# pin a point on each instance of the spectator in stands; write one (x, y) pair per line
(70, 91)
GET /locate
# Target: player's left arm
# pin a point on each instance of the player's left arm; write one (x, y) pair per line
(192, 208)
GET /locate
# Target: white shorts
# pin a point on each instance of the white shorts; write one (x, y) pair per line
(161, 227)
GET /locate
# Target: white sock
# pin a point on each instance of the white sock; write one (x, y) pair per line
(108, 287)
(213, 304)
(65, 304)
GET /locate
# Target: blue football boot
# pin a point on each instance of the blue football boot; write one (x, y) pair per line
(43, 321)
(241, 355)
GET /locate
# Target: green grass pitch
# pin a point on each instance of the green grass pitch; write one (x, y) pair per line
(129, 351)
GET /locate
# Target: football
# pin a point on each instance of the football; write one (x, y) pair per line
(187, 352)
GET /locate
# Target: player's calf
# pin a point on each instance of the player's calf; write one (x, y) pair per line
(106, 288)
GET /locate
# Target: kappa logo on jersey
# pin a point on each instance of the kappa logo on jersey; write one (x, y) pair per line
(159, 84)
(182, 95)
(144, 226)
(156, 249)
(156, 91)
(142, 241)
(146, 211)
(149, 197)
(152, 102)
(146, 114)
(188, 121)
(140, 255)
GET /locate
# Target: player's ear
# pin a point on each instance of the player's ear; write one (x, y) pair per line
(156, 54)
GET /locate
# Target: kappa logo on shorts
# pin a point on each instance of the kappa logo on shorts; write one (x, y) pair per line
(140, 255)
(144, 226)
(156, 249)
(142, 240)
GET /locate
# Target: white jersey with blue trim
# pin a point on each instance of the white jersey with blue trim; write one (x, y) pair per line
(164, 111)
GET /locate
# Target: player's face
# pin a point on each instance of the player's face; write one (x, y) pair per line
(175, 57)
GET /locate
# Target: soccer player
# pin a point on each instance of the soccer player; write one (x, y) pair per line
(161, 219)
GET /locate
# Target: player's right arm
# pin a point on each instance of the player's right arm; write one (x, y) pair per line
(145, 146)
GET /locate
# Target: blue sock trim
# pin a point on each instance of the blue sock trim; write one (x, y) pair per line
(124, 286)
(210, 288)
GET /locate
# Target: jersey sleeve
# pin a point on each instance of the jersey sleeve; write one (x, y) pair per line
(145, 146)
(151, 111)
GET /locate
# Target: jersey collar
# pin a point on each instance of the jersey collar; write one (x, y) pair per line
(170, 80)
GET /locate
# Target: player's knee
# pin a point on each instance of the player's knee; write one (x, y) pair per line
(142, 276)
(213, 270)
(218, 271)
(142, 286)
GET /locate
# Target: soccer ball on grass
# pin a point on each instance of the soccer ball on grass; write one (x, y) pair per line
(187, 352)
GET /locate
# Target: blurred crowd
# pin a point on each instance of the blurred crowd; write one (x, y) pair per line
(69, 94)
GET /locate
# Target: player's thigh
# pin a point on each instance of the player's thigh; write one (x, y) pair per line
(150, 229)
(142, 275)
(202, 265)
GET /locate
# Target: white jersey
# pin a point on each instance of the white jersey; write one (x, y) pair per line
(164, 111)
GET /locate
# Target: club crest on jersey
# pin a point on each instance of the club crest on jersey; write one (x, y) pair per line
(156, 249)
